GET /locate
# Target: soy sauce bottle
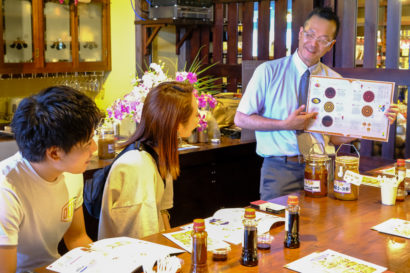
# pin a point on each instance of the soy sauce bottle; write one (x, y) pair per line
(249, 248)
(292, 223)
(199, 248)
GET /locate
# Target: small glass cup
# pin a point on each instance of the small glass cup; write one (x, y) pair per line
(220, 254)
(264, 241)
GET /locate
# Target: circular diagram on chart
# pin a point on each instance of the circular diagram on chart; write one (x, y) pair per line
(327, 121)
(329, 106)
(367, 111)
(368, 96)
(330, 92)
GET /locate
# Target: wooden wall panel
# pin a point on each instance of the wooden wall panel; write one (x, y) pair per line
(263, 29)
(205, 34)
(247, 30)
(370, 33)
(328, 59)
(393, 33)
(194, 43)
(345, 49)
(217, 33)
(300, 10)
(369, 58)
(232, 53)
(281, 7)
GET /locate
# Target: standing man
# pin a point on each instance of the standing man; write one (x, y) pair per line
(41, 186)
(274, 102)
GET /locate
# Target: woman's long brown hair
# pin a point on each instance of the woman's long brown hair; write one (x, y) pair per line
(166, 106)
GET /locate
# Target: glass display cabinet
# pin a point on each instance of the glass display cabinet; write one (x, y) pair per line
(48, 36)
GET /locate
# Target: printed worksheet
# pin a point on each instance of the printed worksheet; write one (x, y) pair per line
(395, 226)
(183, 239)
(226, 224)
(330, 261)
(108, 255)
(350, 107)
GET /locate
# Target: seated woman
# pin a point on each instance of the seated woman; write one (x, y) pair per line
(139, 188)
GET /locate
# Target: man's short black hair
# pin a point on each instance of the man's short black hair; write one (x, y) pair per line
(57, 116)
(325, 13)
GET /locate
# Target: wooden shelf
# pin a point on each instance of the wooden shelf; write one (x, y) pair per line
(156, 25)
(177, 22)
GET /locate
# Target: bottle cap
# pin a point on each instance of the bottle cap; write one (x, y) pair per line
(250, 213)
(293, 200)
(401, 162)
(199, 225)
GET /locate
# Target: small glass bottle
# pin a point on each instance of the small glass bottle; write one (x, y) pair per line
(292, 223)
(400, 175)
(249, 248)
(199, 248)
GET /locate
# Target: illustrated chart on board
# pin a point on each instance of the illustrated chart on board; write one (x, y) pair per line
(350, 107)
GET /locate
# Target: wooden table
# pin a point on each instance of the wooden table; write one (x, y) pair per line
(327, 223)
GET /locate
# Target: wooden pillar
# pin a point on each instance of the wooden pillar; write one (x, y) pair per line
(217, 33)
(328, 58)
(392, 60)
(393, 33)
(140, 35)
(263, 29)
(247, 29)
(232, 54)
(300, 10)
(281, 9)
(345, 51)
(371, 22)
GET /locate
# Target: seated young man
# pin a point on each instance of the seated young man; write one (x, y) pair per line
(41, 186)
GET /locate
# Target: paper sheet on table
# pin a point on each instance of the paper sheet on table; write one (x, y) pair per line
(330, 261)
(226, 224)
(350, 107)
(395, 226)
(108, 255)
(186, 146)
(391, 171)
(183, 239)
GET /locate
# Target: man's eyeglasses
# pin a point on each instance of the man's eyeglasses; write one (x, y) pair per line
(321, 41)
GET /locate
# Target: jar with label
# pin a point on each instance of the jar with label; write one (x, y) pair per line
(316, 175)
(342, 189)
(106, 143)
(316, 172)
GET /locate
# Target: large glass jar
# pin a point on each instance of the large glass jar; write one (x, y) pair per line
(316, 175)
(342, 189)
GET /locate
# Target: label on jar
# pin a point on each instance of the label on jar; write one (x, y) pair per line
(342, 187)
(110, 148)
(352, 178)
(312, 185)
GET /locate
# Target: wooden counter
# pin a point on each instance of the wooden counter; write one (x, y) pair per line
(185, 155)
(327, 223)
